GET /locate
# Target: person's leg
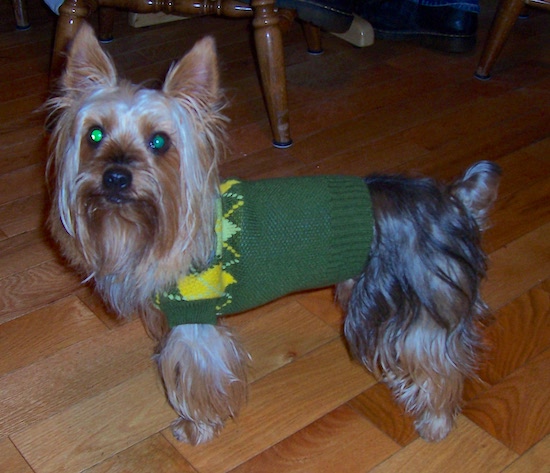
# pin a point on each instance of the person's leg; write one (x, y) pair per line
(446, 25)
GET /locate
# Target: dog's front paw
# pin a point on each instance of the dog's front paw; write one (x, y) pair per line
(194, 433)
(434, 428)
(203, 369)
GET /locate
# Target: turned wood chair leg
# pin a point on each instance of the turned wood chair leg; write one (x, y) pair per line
(71, 15)
(20, 12)
(505, 18)
(313, 38)
(269, 49)
(106, 24)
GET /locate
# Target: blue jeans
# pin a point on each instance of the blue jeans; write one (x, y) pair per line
(466, 5)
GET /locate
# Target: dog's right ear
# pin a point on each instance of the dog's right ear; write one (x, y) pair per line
(87, 64)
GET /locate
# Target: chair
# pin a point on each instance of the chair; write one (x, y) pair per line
(20, 12)
(504, 20)
(266, 21)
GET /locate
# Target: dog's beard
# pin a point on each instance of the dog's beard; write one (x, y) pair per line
(123, 242)
(115, 238)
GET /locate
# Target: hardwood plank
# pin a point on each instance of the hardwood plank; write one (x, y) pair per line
(22, 183)
(521, 180)
(492, 142)
(54, 384)
(379, 407)
(367, 92)
(375, 124)
(44, 332)
(520, 331)
(380, 155)
(30, 74)
(282, 335)
(468, 118)
(23, 112)
(24, 251)
(527, 256)
(522, 168)
(519, 212)
(516, 410)
(155, 454)
(281, 404)
(534, 460)
(322, 303)
(96, 428)
(11, 460)
(22, 215)
(29, 71)
(18, 135)
(340, 441)
(19, 155)
(92, 300)
(467, 448)
(40, 285)
(263, 164)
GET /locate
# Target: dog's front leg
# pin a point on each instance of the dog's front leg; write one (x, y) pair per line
(203, 368)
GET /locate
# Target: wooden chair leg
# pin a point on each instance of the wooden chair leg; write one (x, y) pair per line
(71, 14)
(106, 24)
(269, 49)
(20, 12)
(313, 38)
(503, 22)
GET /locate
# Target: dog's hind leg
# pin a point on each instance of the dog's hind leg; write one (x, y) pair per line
(427, 377)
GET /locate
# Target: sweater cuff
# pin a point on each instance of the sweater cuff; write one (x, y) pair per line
(352, 231)
(191, 312)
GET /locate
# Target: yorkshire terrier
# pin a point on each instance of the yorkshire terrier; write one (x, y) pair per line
(138, 207)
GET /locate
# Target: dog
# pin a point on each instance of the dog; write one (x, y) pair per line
(138, 207)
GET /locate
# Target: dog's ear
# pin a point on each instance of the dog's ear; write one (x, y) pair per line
(196, 74)
(87, 64)
(477, 189)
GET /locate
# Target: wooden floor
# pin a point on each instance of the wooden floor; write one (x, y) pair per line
(78, 391)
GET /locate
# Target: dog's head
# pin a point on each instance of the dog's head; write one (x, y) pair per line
(135, 169)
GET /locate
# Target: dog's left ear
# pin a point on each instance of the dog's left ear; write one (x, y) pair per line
(477, 189)
(196, 74)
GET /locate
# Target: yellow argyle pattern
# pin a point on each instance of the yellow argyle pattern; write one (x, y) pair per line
(213, 281)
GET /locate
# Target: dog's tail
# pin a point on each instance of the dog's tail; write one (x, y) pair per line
(477, 189)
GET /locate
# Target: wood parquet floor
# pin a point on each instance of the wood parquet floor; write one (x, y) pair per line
(78, 391)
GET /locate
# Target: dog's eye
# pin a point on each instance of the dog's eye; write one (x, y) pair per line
(159, 142)
(96, 135)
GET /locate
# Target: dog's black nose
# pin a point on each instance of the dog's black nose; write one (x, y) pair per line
(117, 180)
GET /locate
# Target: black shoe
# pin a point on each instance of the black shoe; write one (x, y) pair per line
(442, 28)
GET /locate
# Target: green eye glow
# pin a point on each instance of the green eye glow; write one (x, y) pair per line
(159, 142)
(96, 135)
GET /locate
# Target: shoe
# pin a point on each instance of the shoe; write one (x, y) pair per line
(335, 16)
(443, 28)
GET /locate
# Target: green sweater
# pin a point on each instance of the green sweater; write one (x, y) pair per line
(275, 237)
